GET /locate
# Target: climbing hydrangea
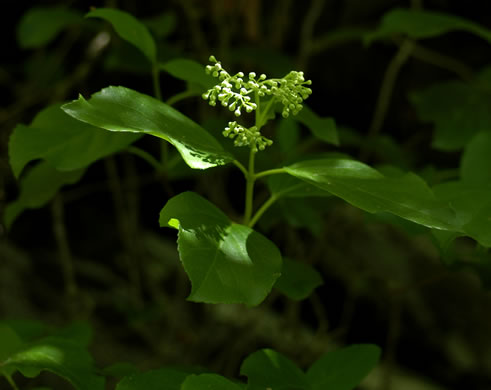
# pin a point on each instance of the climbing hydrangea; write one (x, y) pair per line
(239, 92)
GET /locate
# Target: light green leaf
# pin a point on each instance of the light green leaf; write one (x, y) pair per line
(40, 25)
(164, 378)
(190, 71)
(125, 110)
(226, 262)
(269, 369)
(475, 166)
(130, 29)
(322, 128)
(65, 142)
(208, 381)
(298, 280)
(407, 196)
(419, 24)
(37, 187)
(459, 110)
(343, 369)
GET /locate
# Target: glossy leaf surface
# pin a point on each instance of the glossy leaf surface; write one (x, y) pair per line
(122, 109)
(297, 280)
(226, 262)
(343, 369)
(407, 196)
(130, 29)
(65, 142)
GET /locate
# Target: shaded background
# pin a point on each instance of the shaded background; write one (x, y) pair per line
(384, 284)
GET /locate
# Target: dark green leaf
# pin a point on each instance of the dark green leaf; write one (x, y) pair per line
(37, 187)
(130, 29)
(226, 262)
(66, 143)
(322, 128)
(122, 109)
(297, 280)
(164, 378)
(475, 166)
(424, 24)
(120, 370)
(407, 196)
(190, 71)
(288, 186)
(162, 25)
(269, 369)
(343, 369)
(287, 135)
(40, 25)
(208, 381)
(10, 342)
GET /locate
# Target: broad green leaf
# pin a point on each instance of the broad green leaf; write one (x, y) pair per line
(40, 25)
(343, 369)
(163, 378)
(407, 196)
(10, 342)
(125, 110)
(297, 280)
(459, 110)
(475, 166)
(129, 28)
(208, 381)
(301, 214)
(190, 71)
(65, 142)
(322, 128)
(61, 356)
(269, 369)
(37, 187)
(162, 25)
(424, 24)
(287, 135)
(288, 186)
(226, 262)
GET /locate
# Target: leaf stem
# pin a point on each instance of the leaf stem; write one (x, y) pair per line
(268, 172)
(266, 205)
(180, 96)
(10, 380)
(241, 167)
(145, 156)
(250, 179)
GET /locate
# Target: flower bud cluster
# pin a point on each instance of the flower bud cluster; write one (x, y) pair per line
(246, 136)
(290, 91)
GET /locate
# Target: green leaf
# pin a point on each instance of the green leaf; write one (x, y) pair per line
(288, 186)
(190, 71)
(475, 166)
(37, 187)
(322, 128)
(343, 369)
(459, 110)
(40, 25)
(226, 262)
(288, 135)
(407, 196)
(120, 370)
(419, 24)
(61, 356)
(130, 29)
(164, 378)
(297, 280)
(65, 142)
(208, 381)
(10, 342)
(122, 109)
(269, 369)
(162, 25)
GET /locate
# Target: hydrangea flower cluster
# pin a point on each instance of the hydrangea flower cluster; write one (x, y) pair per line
(235, 93)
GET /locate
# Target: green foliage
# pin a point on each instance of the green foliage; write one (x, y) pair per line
(297, 280)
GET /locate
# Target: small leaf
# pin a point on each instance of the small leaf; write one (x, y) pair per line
(269, 369)
(475, 166)
(190, 71)
(297, 280)
(343, 369)
(65, 142)
(419, 24)
(407, 196)
(37, 187)
(322, 128)
(130, 29)
(125, 110)
(208, 381)
(163, 378)
(40, 25)
(226, 262)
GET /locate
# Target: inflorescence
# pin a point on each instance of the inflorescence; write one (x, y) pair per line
(235, 93)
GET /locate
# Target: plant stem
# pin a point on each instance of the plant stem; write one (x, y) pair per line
(145, 156)
(241, 167)
(266, 205)
(250, 179)
(180, 96)
(268, 172)
(11, 381)
(156, 81)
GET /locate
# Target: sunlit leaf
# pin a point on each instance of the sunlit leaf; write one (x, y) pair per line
(226, 262)
(122, 109)
(297, 280)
